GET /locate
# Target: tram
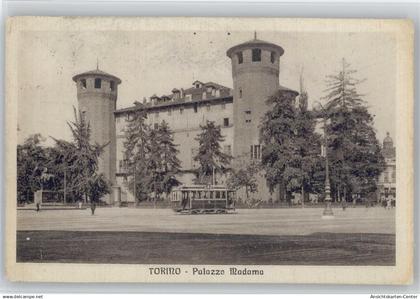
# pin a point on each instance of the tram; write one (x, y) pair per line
(202, 199)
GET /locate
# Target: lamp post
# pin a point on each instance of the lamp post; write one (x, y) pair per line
(327, 213)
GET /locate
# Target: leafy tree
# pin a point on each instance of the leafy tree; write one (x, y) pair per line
(306, 159)
(354, 151)
(243, 174)
(32, 159)
(210, 155)
(136, 147)
(290, 146)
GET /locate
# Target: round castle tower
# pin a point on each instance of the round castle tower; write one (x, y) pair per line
(255, 72)
(97, 97)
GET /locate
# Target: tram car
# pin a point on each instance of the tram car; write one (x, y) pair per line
(202, 199)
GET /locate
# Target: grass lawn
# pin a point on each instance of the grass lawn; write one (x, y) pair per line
(189, 248)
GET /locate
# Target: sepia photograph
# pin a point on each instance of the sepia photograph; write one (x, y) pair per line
(209, 150)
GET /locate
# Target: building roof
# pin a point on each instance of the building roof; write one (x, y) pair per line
(388, 139)
(254, 43)
(179, 102)
(96, 72)
(285, 89)
(190, 95)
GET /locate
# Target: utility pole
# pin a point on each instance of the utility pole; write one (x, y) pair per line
(65, 186)
(327, 213)
(214, 180)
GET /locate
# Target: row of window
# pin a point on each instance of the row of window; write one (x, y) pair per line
(226, 123)
(256, 56)
(98, 84)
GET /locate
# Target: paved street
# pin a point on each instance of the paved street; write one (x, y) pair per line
(279, 222)
(357, 236)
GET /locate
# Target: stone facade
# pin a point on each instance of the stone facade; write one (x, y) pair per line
(184, 111)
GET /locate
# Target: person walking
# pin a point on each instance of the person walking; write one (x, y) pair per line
(93, 206)
(38, 200)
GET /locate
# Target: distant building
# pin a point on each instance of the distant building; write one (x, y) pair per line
(387, 179)
(255, 73)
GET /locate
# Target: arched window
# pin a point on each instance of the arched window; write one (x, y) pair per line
(256, 54)
(240, 57)
(240, 93)
(112, 85)
(83, 83)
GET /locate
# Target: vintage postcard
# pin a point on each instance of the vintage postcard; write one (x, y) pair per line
(216, 150)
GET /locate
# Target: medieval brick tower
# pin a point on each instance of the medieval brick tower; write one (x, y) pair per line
(97, 96)
(255, 72)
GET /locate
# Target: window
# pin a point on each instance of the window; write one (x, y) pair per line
(98, 83)
(248, 112)
(247, 120)
(256, 54)
(112, 85)
(240, 57)
(256, 152)
(273, 57)
(197, 85)
(83, 82)
(226, 122)
(195, 107)
(194, 164)
(240, 93)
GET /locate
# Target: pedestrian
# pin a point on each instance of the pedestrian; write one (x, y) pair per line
(92, 206)
(80, 204)
(38, 200)
(388, 203)
(344, 204)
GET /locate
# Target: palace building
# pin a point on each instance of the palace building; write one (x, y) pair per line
(238, 110)
(255, 73)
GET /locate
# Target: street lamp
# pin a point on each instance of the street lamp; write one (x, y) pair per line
(327, 213)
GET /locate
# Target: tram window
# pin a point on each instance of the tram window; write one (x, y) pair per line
(211, 194)
(217, 194)
(223, 194)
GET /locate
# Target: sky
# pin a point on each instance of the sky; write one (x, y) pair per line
(153, 62)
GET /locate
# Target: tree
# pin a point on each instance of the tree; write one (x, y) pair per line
(308, 145)
(290, 146)
(32, 159)
(354, 151)
(79, 159)
(169, 162)
(243, 174)
(136, 152)
(210, 157)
